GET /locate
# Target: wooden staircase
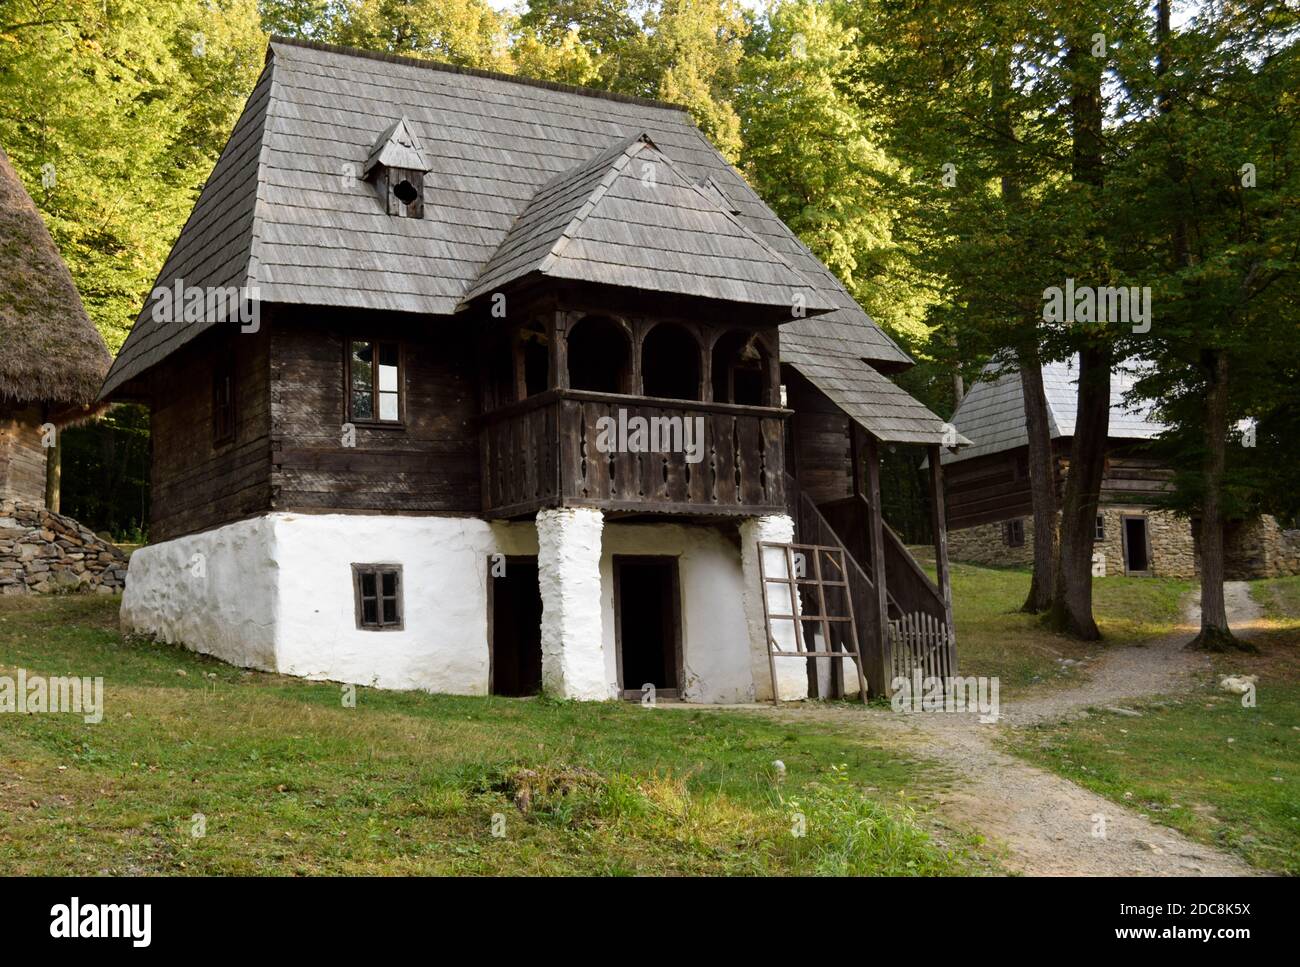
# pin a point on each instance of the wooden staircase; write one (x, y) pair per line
(919, 634)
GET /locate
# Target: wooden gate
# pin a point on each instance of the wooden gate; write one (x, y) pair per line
(921, 642)
(821, 572)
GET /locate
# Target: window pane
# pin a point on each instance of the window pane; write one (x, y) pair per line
(388, 406)
(362, 406)
(388, 368)
(390, 611)
(361, 372)
(367, 584)
(390, 582)
(369, 611)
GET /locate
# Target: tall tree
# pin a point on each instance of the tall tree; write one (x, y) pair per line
(1215, 165)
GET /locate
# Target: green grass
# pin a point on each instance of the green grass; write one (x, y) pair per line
(1203, 763)
(288, 781)
(994, 638)
(1280, 599)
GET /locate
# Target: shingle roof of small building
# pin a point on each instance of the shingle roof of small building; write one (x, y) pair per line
(285, 213)
(630, 218)
(992, 414)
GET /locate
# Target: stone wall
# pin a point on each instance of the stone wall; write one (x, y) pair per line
(1257, 548)
(42, 551)
(1260, 548)
(984, 544)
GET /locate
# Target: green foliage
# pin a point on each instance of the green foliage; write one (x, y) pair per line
(130, 103)
(105, 483)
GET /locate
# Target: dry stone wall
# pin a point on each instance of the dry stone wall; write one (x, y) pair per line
(46, 552)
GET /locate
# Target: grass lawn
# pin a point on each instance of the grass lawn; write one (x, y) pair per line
(288, 781)
(1202, 763)
(994, 638)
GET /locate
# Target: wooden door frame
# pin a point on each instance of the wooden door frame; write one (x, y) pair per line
(491, 609)
(675, 614)
(1146, 537)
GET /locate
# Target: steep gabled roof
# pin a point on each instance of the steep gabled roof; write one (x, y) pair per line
(284, 212)
(50, 351)
(992, 414)
(629, 218)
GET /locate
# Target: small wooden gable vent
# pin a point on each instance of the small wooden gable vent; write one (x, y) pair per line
(397, 167)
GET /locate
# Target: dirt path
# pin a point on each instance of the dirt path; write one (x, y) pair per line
(1047, 824)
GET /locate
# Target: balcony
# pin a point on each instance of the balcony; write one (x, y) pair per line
(629, 455)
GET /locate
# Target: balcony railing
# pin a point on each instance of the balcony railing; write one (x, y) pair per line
(632, 454)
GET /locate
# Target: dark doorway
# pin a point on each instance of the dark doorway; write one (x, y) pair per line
(1135, 546)
(515, 609)
(648, 615)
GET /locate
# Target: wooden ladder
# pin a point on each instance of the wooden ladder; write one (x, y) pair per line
(794, 558)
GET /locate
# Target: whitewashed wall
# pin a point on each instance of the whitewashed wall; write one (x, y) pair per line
(276, 594)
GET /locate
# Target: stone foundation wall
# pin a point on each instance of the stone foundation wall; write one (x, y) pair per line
(1253, 549)
(984, 544)
(42, 551)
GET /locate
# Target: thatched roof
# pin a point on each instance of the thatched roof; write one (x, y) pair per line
(50, 351)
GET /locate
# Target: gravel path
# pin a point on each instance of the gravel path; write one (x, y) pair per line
(1047, 824)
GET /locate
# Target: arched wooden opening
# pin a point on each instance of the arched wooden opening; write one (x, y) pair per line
(670, 363)
(742, 370)
(600, 354)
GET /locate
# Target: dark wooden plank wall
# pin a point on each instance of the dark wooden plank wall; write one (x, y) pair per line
(194, 485)
(821, 457)
(986, 489)
(996, 487)
(428, 464)
(22, 458)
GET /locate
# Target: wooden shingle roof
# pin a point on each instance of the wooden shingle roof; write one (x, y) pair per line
(992, 414)
(630, 218)
(286, 213)
(883, 408)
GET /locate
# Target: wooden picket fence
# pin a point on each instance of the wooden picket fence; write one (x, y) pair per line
(920, 641)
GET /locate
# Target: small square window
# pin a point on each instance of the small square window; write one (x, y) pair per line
(378, 590)
(1013, 532)
(1100, 532)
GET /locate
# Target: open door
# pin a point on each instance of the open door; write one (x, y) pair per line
(648, 625)
(515, 613)
(1137, 550)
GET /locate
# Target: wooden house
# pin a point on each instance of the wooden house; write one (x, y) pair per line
(52, 358)
(990, 513)
(530, 372)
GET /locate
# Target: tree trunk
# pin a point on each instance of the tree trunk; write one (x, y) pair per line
(1071, 610)
(1042, 473)
(1042, 482)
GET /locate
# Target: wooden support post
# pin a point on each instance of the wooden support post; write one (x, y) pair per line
(54, 472)
(938, 522)
(558, 334)
(878, 663)
(855, 454)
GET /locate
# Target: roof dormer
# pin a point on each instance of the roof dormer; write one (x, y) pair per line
(397, 166)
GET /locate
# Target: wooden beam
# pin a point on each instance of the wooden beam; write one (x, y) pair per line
(940, 528)
(878, 669)
(557, 331)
